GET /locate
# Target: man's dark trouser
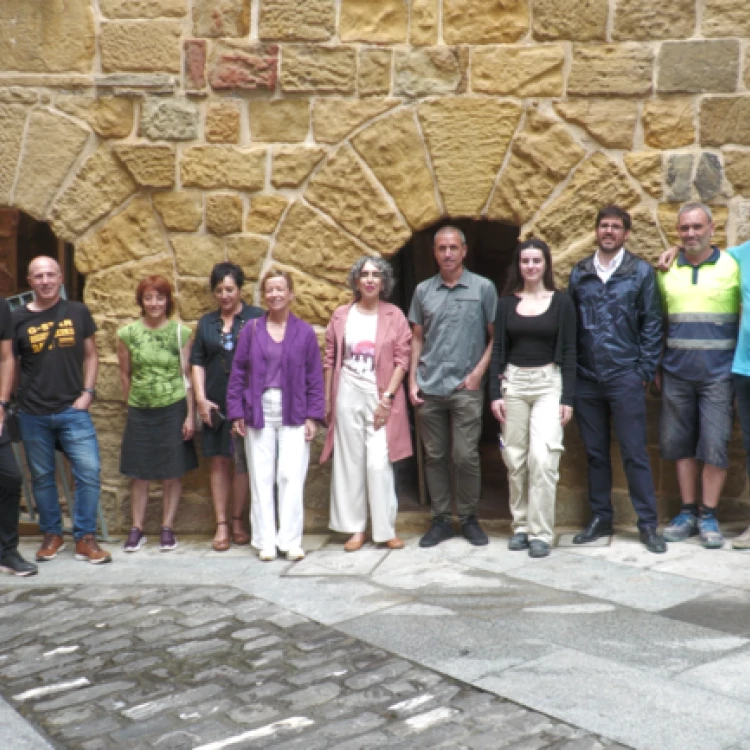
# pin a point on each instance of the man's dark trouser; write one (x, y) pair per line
(742, 390)
(458, 419)
(10, 499)
(623, 400)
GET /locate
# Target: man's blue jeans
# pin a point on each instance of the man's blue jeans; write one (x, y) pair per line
(74, 429)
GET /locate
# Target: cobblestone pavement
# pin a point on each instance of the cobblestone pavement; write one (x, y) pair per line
(97, 667)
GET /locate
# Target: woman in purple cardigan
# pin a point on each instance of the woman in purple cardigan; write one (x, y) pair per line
(274, 401)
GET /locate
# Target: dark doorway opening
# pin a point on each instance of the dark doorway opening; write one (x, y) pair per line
(23, 238)
(490, 251)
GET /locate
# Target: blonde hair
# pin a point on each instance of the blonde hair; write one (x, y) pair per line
(276, 273)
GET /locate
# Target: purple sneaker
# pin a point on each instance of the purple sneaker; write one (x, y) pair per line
(136, 539)
(168, 540)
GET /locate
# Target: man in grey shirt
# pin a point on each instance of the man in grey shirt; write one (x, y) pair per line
(453, 316)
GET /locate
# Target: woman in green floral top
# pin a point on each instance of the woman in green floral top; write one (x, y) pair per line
(154, 353)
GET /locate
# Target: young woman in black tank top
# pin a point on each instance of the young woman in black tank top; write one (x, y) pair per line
(532, 381)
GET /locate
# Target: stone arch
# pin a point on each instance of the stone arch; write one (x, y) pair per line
(397, 171)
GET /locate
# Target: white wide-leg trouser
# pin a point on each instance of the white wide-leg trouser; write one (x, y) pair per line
(362, 471)
(277, 455)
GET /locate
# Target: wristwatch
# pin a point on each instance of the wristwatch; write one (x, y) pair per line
(90, 391)
(389, 396)
(5, 404)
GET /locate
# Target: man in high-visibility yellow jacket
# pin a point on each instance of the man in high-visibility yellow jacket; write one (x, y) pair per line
(701, 299)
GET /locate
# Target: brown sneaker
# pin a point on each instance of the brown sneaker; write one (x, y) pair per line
(88, 549)
(51, 545)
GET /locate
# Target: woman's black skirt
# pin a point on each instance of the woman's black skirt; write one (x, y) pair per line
(152, 446)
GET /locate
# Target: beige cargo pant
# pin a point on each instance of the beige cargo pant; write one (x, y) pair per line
(533, 436)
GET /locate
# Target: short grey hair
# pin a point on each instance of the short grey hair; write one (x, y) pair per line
(694, 206)
(388, 280)
(449, 228)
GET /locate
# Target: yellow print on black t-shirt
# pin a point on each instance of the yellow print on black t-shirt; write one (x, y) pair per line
(65, 335)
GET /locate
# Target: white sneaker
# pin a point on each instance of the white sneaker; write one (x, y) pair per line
(266, 555)
(295, 553)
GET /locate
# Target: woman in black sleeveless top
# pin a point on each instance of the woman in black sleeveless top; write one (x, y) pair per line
(532, 383)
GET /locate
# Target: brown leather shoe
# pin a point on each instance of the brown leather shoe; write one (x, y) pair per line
(395, 543)
(221, 545)
(88, 549)
(356, 542)
(51, 545)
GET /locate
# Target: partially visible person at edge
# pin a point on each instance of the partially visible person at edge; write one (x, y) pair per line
(366, 358)
(11, 560)
(532, 385)
(54, 399)
(275, 401)
(702, 297)
(453, 319)
(153, 353)
(211, 357)
(619, 345)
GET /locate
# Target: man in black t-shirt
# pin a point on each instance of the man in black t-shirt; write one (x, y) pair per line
(10, 477)
(58, 363)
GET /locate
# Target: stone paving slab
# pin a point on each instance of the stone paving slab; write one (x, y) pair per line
(725, 567)
(725, 610)
(277, 680)
(458, 645)
(327, 600)
(18, 734)
(642, 589)
(495, 557)
(649, 714)
(335, 561)
(727, 676)
(625, 548)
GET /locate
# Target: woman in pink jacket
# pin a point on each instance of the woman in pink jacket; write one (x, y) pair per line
(367, 354)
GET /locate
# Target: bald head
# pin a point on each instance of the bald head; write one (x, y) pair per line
(43, 262)
(45, 278)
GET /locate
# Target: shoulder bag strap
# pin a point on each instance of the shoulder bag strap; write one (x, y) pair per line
(185, 378)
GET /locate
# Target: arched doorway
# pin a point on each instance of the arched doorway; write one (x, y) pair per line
(490, 251)
(23, 238)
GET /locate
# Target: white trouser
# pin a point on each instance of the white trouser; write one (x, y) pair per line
(276, 455)
(362, 471)
(533, 439)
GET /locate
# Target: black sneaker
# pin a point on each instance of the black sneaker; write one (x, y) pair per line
(653, 541)
(538, 548)
(518, 542)
(473, 533)
(12, 562)
(438, 532)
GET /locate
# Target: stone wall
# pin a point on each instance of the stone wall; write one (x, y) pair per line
(165, 135)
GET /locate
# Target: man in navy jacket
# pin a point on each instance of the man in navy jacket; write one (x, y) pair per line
(619, 344)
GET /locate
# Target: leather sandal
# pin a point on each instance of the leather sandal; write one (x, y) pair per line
(394, 543)
(356, 542)
(243, 537)
(221, 545)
